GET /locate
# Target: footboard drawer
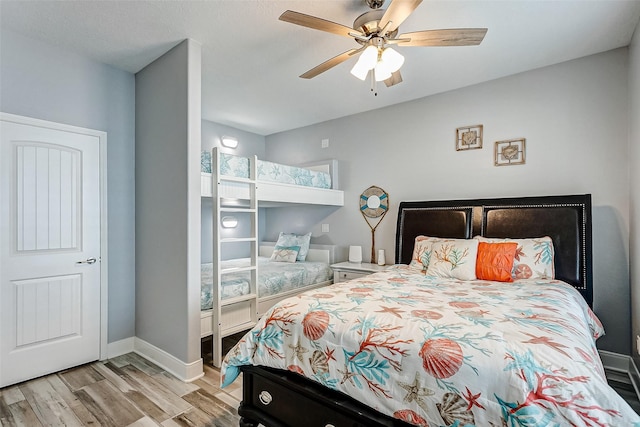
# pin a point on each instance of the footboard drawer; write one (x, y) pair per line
(280, 398)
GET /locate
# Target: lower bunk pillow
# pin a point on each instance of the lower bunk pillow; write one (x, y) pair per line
(435, 351)
(273, 278)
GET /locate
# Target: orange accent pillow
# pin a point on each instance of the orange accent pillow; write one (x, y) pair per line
(495, 261)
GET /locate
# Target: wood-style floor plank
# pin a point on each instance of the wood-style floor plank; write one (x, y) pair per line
(20, 414)
(108, 405)
(81, 411)
(48, 405)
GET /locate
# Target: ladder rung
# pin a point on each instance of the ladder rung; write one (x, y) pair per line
(242, 298)
(237, 269)
(238, 239)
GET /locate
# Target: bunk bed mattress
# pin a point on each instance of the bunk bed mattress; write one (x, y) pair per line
(273, 278)
(434, 351)
(238, 167)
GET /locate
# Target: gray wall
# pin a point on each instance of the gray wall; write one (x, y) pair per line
(634, 169)
(168, 202)
(574, 117)
(38, 80)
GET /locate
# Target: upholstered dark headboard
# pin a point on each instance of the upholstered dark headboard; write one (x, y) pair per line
(566, 219)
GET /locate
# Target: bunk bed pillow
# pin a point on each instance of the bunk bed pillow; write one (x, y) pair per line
(292, 239)
(285, 253)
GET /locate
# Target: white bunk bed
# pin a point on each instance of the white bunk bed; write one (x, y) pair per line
(239, 186)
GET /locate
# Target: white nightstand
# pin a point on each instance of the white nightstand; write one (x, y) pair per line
(344, 271)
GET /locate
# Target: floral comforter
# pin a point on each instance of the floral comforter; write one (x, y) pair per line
(442, 352)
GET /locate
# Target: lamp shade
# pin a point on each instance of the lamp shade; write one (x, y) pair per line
(392, 59)
(382, 71)
(366, 62)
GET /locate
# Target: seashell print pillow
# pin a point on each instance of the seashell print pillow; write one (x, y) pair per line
(292, 239)
(453, 258)
(285, 253)
(533, 259)
(422, 252)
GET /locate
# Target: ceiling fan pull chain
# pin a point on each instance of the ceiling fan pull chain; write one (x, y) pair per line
(373, 82)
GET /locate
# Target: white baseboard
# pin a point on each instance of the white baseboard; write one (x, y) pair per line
(623, 365)
(186, 372)
(118, 348)
(615, 361)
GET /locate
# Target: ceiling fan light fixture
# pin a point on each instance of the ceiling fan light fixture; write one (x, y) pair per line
(392, 59)
(382, 71)
(360, 71)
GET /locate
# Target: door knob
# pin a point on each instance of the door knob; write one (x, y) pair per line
(91, 260)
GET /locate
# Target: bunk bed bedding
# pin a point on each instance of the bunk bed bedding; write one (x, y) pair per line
(273, 278)
(439, 351)
(236, 166)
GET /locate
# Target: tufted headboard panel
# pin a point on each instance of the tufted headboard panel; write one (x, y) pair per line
(566, 219)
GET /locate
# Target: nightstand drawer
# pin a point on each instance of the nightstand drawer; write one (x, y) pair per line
(343, 276)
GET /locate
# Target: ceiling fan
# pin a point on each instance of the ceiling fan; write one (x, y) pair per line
(376, 30)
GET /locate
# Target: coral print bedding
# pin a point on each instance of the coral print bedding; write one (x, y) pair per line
(437, 351)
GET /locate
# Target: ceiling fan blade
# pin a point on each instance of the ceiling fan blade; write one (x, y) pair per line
(395, 78)
(318, 23)
(329, 64)
(452, 37)
(396, 13)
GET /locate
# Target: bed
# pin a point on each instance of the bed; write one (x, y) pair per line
(405, 347)
(276, 281)
(313, 183)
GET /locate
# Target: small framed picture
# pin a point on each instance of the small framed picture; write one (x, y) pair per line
(469, 137)
(510, 152)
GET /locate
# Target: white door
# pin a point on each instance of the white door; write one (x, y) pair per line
(50, 250)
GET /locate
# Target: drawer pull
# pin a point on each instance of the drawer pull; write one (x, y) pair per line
(329, 425)
(265, 397)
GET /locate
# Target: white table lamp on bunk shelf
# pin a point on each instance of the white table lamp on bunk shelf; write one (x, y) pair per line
(355, 253)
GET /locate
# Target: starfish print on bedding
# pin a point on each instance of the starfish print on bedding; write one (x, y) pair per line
(347, 376)
(392, 310)
(472, 399)
(416, 392)
(299, 351)
(548, 341)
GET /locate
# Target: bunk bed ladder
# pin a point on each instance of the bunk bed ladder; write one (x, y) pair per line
(242, 311)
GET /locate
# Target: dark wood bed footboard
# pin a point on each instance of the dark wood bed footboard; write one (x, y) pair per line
(283, 399)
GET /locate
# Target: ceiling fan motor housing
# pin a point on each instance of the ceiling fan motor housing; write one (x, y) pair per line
(368, 24)
(375, 4)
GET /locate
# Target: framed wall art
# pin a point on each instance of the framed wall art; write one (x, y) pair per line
(510, 152)
(469, 137)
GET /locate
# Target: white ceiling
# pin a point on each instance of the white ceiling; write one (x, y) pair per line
(251, 61)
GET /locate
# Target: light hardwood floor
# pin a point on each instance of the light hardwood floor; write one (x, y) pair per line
(123, 391)
(131, 391)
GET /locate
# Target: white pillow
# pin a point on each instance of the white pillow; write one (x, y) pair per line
(292, 239)
(534, 257)
(453, 258)
(285, 253)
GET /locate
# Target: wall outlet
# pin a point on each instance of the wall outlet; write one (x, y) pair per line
(325, 143)
(325, 229)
